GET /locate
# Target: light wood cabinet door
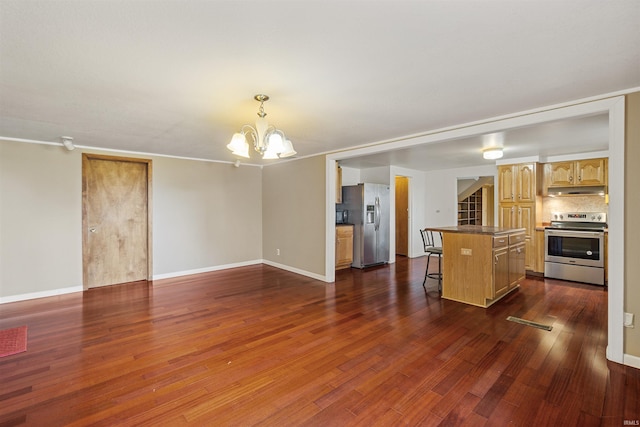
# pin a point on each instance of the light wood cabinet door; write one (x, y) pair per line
(344, 246)
(526, 218)
(500, 272)
(561, 174)
(577, 173)
(516, 264)
(506, 216)
(521, 216)
(506, 184)
(526, 183)
(591, 172)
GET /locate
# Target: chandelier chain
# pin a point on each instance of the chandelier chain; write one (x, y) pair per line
(261, 112)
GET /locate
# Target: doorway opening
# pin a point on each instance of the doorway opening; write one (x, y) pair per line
(476, 201)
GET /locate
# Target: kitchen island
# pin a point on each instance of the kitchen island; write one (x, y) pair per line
(481, 264)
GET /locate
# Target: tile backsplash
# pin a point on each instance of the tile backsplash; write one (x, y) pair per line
(572, 204)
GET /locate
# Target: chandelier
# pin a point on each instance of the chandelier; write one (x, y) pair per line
(267, 140)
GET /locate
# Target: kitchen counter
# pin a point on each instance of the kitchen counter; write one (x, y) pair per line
(476, 229)
(481, 265)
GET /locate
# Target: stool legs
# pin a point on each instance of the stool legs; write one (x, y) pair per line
(437, 275)
(426, 273)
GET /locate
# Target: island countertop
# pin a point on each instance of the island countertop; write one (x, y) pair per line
(476, 229)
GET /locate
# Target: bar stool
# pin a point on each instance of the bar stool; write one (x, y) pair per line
(431, 249)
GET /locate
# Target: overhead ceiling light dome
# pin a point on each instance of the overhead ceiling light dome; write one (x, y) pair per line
(492, 153)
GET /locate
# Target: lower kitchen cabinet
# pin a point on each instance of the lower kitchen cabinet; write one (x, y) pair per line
(344, 246)
(501, 276)
(481, 264)
(516, 264)
(539, 252)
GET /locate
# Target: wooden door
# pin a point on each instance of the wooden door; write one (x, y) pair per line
(116, 227)
(402, 215)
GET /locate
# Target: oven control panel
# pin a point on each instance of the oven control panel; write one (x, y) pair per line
(579, 216)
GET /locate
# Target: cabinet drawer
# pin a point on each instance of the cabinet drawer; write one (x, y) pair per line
(500, 241)
(516, 238)
(344, 231)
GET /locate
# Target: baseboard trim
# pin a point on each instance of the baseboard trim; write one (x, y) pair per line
(62, 291)
(633, 361)
(296, 270)
(205, 270)
(42, 294)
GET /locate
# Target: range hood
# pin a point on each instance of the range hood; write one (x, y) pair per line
(587, 190)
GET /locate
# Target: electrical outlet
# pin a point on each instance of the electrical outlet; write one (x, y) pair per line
(277, 251)
(465, 251)
(628, 320)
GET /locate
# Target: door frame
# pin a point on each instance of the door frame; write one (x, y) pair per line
(613, 104)
(86, 158)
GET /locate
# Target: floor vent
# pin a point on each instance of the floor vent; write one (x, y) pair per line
(529, 323)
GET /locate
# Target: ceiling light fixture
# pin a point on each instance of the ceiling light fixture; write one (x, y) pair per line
(267, 140)
(67, 142)
(492, 153)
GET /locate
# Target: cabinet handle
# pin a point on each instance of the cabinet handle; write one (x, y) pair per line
(570, 178)
(496, 261)
(579, 177)
(511, 196)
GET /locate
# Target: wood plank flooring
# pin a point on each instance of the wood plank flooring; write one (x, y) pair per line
(261, 346)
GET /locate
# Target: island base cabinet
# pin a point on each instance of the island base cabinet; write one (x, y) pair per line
(479, 269)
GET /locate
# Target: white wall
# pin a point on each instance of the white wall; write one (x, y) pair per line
(442, 193)
(40, 220)
(378, 175)
(204, 215)
(350, 176)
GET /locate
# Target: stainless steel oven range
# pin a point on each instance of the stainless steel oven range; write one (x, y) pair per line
(574, 247)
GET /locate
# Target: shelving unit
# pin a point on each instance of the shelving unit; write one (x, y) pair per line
(470, 209)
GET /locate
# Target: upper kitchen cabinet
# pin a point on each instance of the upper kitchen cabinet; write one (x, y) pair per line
(518, 183)
(576, 173)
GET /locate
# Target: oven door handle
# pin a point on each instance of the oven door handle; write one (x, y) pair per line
(573, 233)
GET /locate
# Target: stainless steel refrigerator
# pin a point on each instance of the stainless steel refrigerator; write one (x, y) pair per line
(368, 206)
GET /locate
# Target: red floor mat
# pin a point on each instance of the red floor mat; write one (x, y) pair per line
(13, 341)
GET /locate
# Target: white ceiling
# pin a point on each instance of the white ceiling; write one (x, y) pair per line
(178, 77)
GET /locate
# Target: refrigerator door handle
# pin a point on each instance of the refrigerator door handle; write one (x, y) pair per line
(377, 219)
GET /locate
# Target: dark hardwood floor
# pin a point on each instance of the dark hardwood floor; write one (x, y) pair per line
(261, 346)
